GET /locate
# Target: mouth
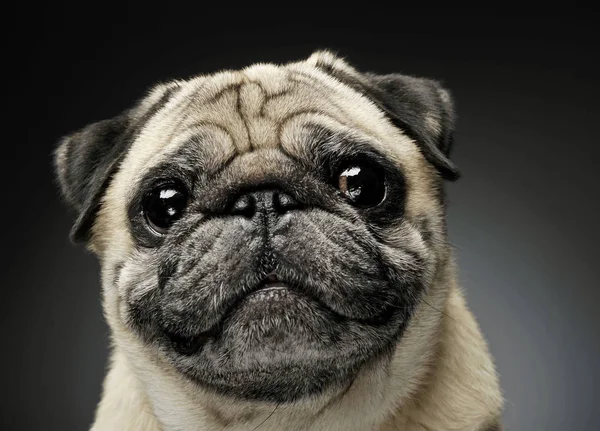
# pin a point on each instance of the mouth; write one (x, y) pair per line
(272, 311)
(273, 298)
(277, 341)
(266, 305)
(271, 289)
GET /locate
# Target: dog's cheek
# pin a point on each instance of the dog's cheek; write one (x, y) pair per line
(111, 238)
(131, 295)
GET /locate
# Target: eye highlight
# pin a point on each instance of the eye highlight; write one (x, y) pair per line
(363, 184)
(164, 205)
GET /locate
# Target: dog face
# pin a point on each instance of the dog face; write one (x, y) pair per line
(266, 234)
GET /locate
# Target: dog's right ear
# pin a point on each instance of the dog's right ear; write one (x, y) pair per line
(86, 161)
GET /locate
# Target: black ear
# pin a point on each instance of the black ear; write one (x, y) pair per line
(420, 107)
(85, 161)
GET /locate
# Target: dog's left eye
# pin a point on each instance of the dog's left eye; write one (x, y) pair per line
(164, 206)
(362, 184)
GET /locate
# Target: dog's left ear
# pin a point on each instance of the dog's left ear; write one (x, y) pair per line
(85, 161)
(420, 107)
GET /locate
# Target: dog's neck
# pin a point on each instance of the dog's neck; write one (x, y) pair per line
(454, 388)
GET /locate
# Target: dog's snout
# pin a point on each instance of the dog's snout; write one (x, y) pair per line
(269, 201)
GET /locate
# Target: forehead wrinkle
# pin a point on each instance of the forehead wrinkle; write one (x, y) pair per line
(219, 110)
(201, 126)
(201, 91)
(282, 107)
(271, 78)
(321, 83)
(237, 103)
(288, 96)
(261, 130)
(252, 97)
(293, 134)
(299, 133)
(326, 92)
(257, 126)
(214, 151)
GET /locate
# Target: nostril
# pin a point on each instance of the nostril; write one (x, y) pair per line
(284, 202)
(244, 206)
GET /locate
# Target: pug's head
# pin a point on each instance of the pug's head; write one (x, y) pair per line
(268, 233)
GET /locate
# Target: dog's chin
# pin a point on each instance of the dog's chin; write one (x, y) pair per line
(280, 345)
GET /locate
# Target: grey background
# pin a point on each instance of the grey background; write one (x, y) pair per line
(523, 218)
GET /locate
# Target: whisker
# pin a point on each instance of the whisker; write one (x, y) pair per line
(266, 419)
(447, 315)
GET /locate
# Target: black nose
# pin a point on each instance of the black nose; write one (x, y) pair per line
(270, 201)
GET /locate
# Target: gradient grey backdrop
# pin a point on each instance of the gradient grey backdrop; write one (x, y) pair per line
(524, 217)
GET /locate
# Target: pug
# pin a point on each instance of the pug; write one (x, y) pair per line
(274, 255)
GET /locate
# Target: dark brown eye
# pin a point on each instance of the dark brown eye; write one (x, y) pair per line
(363, 184)
(164, 206)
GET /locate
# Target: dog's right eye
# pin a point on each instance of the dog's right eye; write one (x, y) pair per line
(164, 205)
